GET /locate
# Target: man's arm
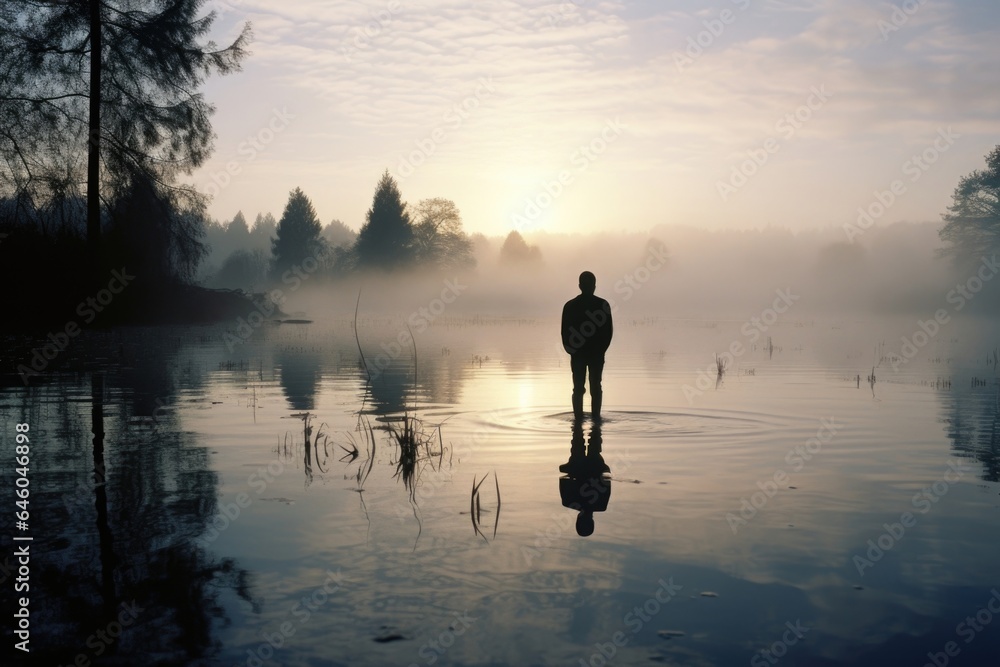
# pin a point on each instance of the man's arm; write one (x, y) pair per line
(564, 329)
(609, 326)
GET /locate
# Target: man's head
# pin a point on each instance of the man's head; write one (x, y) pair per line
(588, 282)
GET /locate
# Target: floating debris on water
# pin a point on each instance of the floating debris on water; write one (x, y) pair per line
(389, 636)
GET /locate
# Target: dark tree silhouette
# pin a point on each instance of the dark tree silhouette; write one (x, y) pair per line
(240, 247)
(972, 224)
(297, 234)
(263, 231)
(243, 269)
(111, 82)
(238, 230)
(299, 375)
(217, 244)
(438, 239)
(150, 231)
(385, 240)
(515, 250)
(339, 235)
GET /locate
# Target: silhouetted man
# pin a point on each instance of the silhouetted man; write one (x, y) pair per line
(586, 335)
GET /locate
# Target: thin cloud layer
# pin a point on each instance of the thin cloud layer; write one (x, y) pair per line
(489, 104)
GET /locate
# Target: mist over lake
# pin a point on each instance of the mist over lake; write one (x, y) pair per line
(839, 476)
(499, 334)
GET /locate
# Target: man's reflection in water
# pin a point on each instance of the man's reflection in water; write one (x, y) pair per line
(586, 484)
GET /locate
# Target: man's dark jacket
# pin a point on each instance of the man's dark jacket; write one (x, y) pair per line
(586, 326)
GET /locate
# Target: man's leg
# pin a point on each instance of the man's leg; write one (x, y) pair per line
(596, 367)
(579, 368)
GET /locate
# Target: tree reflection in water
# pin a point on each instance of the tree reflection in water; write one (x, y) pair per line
(116, 575)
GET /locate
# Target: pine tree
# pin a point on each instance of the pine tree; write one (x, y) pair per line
(262, 232)
(297, 235)
(112, 84)
(515, 250)
(385, 240)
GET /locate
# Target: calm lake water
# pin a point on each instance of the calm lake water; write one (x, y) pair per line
(794, 513)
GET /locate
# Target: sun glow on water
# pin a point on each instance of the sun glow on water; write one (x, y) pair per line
(525, 394)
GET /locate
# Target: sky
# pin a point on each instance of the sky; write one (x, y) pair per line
(604, 115)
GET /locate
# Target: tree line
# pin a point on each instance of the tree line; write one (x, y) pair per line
(394, 237)
(101, 115)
